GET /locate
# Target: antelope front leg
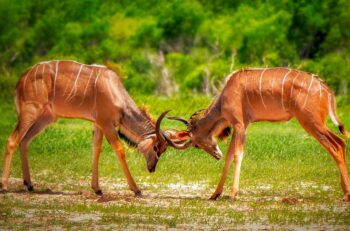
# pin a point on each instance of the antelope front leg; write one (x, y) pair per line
(238, 161)
(97, 144)
(229, 158)
(118, 149)
(236, 147)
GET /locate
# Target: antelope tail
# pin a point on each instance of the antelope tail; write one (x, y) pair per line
(333, 115)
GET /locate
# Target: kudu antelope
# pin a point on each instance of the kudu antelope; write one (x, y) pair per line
(271, 94)
(54, 89)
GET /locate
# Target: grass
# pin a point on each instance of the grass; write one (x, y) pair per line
(287, 180)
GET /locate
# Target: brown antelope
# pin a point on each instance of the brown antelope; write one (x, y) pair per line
(271, 94)
(54, 89)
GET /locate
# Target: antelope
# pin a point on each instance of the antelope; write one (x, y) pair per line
(54, 89)
(269, 94)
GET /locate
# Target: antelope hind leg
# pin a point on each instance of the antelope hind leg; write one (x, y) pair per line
(97, 144)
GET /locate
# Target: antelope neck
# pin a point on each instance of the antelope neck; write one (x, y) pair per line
(135, 125)
(211, 118)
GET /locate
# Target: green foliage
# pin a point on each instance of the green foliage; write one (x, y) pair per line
(180, 18)
(193, 36)
(334, 69)
(148, 35)
(180, 65)
(195, 78)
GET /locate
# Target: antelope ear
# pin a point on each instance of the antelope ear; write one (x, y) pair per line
(183, 135)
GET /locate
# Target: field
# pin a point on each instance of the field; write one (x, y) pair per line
(288, 181)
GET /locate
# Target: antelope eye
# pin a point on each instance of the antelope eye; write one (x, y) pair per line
(196, 146)
(155, 148)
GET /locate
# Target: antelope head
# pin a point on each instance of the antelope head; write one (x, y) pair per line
(155, 143)
(202, 135)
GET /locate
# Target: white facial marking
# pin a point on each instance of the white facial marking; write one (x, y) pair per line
(157, 157)
(262, 100)
(217, 150)
(284, 78)
(320, 84)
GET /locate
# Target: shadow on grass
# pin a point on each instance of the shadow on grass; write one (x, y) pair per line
(112, 197)
(129, 198)
(40, 192)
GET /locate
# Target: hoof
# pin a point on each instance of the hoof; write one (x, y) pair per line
(2, 188)
(29, 186)
(346, 198)
(234, 194)
(138, 193)
(214, 196)
(99, 192)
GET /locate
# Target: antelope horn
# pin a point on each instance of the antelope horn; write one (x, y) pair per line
(162, 137)
(177, 146)
(159, 133)
(178, 119)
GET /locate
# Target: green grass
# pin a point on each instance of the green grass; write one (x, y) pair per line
(281, 162)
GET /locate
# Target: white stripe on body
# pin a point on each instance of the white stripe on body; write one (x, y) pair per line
(284, 78)
(54, 81)
(245, 91)
(291, 90)
(74, 88)
(272, 84)
(308, 90)
(95, 88)
(86, 87)
(262, 100)
(26, 77)
(320, 85)
(301, 88)
(109, 88)
(43, 74)
(36, 70)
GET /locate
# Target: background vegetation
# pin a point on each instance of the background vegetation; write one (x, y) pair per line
(177, 46)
